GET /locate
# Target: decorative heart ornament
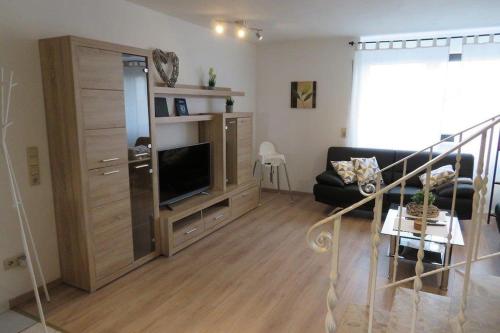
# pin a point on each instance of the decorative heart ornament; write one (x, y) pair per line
(164, 60)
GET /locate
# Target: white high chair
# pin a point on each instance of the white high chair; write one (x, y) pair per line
(268, 156)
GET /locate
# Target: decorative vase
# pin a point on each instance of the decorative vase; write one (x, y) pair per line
(417, 224)
(211, 86)
(229, 108)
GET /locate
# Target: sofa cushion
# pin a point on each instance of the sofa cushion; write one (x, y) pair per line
(330, 177)
(345, 169)
(366, 169)
(464, 190)
(439, 176)
(384, 157)
(394, 194)
(339, 196)
(466, 165)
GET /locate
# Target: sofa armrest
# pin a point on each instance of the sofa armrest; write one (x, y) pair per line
(330, 177)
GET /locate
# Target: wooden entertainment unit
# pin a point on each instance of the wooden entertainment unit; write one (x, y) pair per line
(234, 190)
(104, 168)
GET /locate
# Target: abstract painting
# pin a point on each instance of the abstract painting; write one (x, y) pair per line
(303, 95)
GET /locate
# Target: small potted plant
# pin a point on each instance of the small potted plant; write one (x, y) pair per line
(211, 78)
(229, 104)
(415, 208)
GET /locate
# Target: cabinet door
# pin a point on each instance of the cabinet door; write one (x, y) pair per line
(99, 69)
(140, 160)
(102, 109)
(244, 135)
(112, 234)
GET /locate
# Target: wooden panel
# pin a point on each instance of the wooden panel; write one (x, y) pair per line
(214, 216)
(102, 108)
(244, 201)
(231, 151)
(213, 132)
(183, 119)
(108, 184)
(99, 69)
(106, 147)
(65, 163)
(244, 134)
(112, 235)
(113, 251)
(196, 92)
(188, 228)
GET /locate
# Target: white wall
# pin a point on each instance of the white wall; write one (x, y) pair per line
(22, 23)
(303, 135)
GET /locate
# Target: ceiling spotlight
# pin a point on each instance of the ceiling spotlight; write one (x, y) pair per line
(241, 33)
(219, 28)
(259, 35)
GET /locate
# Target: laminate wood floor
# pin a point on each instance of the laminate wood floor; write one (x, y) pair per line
(256, 274)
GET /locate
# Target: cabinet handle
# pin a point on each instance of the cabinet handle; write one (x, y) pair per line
(190, 231)
(110, 172)
(218, 217)
(141, 154)
(110, 159)
(141, 166)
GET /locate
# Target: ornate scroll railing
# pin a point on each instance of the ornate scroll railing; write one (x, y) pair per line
(322, 240)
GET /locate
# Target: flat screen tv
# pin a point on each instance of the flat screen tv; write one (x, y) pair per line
(183, 172)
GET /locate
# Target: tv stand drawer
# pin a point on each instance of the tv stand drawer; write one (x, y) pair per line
(216, 215)
(187, 228)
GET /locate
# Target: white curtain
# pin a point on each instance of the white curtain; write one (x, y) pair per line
(408, 98)
(398, 95)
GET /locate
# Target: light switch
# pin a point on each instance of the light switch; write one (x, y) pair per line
(33, 165)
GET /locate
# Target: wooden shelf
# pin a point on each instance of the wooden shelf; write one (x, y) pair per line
(183, 119)
(196, 92)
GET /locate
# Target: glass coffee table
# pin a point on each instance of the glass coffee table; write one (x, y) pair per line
(436, 239)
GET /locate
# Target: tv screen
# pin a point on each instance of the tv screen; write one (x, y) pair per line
(183, 172)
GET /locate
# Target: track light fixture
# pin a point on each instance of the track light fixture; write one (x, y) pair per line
(241, 29)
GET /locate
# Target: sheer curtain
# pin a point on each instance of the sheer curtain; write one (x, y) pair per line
(398, 95)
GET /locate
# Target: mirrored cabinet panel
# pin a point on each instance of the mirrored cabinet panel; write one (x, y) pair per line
(138, 129)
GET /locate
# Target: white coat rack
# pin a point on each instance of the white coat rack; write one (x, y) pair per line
(6, 93)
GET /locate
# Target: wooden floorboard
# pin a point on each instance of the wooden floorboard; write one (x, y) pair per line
(256, 274)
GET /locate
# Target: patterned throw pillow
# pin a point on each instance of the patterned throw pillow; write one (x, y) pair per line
(366, 170)
(345, 170)
(440, 176)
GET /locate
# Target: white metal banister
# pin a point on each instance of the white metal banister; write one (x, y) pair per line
(447, 139)
(389, 187)
(323, 241)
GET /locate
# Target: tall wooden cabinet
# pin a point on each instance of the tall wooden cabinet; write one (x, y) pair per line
(101, 141)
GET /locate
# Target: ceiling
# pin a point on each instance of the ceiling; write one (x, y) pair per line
(296, 19)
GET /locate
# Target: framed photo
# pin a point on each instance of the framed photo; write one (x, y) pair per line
(161, 107)
(303, 95)
(181, 107)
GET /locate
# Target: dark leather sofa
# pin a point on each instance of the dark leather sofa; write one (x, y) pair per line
(331, 190)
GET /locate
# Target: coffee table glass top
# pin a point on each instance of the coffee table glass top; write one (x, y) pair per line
(436, 234)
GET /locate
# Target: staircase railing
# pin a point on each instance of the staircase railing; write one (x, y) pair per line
(322, 240)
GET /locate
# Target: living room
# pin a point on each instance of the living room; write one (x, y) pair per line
(208, 215)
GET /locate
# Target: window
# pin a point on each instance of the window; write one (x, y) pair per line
(408, 98)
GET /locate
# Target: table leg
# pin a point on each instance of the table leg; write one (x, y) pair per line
(392, 252)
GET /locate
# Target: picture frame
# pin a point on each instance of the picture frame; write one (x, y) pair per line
(303, 95)
(161, 107)
(181, 108)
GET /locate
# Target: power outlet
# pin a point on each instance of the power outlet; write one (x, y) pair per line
(13, 262)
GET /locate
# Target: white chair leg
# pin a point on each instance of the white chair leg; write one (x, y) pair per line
(261, 176)
(278, 178)
(288, 181)
(254, 166)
